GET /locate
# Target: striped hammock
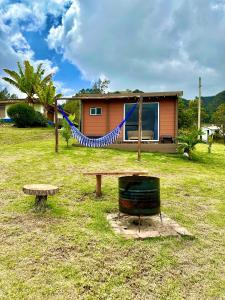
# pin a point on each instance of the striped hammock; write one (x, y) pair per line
(106, 140)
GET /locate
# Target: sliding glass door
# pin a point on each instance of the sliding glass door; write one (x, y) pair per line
(150, 122)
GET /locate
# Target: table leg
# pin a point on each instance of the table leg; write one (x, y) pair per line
(98, 185)
(40, 202)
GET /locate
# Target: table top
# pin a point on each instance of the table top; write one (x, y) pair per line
(116, 173)
(40, 189)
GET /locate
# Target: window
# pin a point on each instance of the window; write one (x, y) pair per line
(150, 122)
(95, 111)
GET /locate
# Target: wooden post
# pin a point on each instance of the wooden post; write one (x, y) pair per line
(56, 128)
(81, 117)
(199, 103)
(176, 120)
(140, 127)
(98, 185)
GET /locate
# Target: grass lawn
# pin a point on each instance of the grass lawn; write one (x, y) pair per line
(70, 251)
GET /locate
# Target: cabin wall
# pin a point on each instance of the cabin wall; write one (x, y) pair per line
(94, 125)
(113, 114)
(167, 115)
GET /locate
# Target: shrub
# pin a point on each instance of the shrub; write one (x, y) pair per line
(188, 139)
(24, 115)
(66, 132)
(39, 120)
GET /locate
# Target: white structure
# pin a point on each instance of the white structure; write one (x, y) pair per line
(4, 105)
(207, 131)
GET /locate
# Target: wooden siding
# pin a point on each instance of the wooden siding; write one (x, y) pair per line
(113, 114)
(167, 115)
(94, 125)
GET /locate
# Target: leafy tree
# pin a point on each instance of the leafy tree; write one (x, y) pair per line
(99, 87)
(188, 113)
(5, 95)
(185, 115)
(137, 91)
(188, 139)
(46, 93)
(219, 118)
(193, 106)
(73, 107)
(66, 130)
(27, 79)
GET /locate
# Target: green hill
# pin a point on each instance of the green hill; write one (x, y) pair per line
(212, 102)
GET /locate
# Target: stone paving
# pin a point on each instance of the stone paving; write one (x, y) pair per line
(150, 227)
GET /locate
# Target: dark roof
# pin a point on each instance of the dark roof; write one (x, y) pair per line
(129, 95)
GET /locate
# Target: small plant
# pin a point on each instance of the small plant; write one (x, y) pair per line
(188, 139)
(66, 130)
(210, 142)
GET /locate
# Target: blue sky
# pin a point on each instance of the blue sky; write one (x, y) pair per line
(67, 72)
(158, 45)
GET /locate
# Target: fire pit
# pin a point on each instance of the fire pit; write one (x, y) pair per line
(139, 196)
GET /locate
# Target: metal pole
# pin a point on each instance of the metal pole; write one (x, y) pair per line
(140, 127)
(199, 103)
(56, 128)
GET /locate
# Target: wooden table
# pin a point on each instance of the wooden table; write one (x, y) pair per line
(41, 191)
(100, 174)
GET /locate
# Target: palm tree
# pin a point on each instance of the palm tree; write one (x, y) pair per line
(46, 93)
(26, 80)
(188, 140)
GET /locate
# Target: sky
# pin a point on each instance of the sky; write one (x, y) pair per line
(157, 45)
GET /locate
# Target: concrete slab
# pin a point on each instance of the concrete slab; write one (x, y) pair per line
(150, 227)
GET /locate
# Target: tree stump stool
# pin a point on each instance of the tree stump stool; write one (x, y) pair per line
(41, 191)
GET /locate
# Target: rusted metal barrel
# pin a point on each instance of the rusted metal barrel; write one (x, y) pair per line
(139, 195)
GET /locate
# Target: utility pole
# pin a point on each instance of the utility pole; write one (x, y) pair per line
(199, 102)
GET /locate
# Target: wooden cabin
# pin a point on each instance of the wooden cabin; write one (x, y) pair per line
(102, 113)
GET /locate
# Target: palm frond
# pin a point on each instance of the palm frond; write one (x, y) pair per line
(13, 74)
(20, 69)
(47, 78)
(11, 81)
(39, 69)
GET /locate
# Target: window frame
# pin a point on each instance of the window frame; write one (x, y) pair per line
(135, 141)
(95, 113)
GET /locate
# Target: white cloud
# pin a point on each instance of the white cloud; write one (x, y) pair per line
(150, 45)
(14, 19)
(62, 89)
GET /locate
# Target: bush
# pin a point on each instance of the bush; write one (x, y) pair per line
(66, 132)
(40, 120)
(187, 140)
(24, 115)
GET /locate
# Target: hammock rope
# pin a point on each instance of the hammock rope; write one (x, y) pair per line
(106, 140)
